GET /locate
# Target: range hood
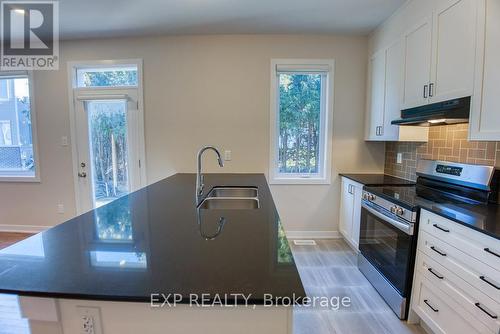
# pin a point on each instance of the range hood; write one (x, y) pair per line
(448, 112)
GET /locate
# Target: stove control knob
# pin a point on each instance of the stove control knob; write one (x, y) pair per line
(394, 209)
(400, 211)
(365, 196)
(372, 198)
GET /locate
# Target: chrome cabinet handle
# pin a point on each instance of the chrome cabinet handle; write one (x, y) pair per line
(425, 91)
(438, 251)
(482, 308)
(82, 174)
(434, 273)
(440, 228)
(431, 90)
(432, 308)
(487, 250)
(483, 278)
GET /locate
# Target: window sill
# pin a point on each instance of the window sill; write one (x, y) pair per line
(300, 181)
(24, 179)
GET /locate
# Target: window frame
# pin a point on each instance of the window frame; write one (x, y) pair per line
(326, 123)
(18, 176)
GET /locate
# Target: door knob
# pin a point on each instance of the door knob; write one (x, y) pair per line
(82, 174)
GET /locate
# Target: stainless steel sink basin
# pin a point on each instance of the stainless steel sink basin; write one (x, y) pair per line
(227, 203)
(234, 192)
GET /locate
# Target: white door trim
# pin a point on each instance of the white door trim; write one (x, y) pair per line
(71, 69)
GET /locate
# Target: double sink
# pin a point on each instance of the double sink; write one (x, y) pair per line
(231, 198)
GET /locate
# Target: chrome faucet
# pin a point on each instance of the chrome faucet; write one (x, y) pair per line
(199, 175)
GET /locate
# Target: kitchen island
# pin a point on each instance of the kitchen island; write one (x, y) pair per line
(152, 262)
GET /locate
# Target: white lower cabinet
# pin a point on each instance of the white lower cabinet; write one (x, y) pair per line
(350, 211)
(455, 286)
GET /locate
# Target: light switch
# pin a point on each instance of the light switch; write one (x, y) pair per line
(399, 158)
(60, 208)
(227, 155)
(64, 141)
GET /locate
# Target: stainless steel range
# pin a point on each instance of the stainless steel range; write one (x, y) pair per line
(389, 221)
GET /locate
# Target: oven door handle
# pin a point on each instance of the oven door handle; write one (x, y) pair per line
(405, 227)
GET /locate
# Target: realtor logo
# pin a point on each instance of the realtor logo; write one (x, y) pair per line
(29, 35)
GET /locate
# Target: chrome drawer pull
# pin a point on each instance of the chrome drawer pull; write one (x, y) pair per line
(485, 311)
(440, 228)
(487, 250)
(432, 308)
(435, 274)
(490, 283)
(438, 251)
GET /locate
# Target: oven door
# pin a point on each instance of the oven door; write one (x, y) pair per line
(387, 242)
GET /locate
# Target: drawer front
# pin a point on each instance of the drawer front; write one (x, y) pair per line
(478, 245)
(476, 273)
(482, 307)
(441, 313)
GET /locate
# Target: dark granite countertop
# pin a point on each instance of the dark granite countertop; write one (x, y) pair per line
(484, 218)
(371, 180)
(150, 242)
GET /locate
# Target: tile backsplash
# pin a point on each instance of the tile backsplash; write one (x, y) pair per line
(448, 143)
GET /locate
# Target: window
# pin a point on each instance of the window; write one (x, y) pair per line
(107, 76)
(301, 121)
(18, 159)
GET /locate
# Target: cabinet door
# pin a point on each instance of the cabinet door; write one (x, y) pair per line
(375, 112)
(417, 64)
(485, 114)
(346, 209)
(393, 86)
(454, 50)
(356, 216)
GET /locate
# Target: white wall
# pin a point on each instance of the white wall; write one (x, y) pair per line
(204, 90)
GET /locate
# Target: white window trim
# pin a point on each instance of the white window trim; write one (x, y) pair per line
(73, 87)
(326, 168)
(6, 176)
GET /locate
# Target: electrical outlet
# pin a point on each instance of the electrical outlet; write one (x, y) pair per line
(399, 158)
(227, 155)
(60, 208)
(64, 141)
(87, 325)
(90, 320)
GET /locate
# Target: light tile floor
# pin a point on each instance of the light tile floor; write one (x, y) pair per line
(330, 270)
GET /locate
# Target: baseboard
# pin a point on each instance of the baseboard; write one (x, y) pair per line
(313, 235)
(23, 228)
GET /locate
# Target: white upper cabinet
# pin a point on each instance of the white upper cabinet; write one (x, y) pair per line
(454, 50)
(417, 64)
(375, 115)
(384, 103)
(393, 88)
(485, 113)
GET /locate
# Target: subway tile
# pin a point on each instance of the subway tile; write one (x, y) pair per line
(490, 150)
(445, 151)
(485, 162)
(465, 144)
(459, 135)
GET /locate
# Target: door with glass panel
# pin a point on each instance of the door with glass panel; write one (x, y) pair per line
(107, 145)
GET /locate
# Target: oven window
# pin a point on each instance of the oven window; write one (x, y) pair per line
(387, 248)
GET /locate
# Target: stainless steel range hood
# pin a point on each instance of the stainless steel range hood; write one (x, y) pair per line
(448, 112)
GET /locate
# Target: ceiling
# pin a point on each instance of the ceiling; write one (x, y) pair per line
(113, 18)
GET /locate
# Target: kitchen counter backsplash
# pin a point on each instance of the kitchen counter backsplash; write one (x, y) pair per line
(448, 143)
